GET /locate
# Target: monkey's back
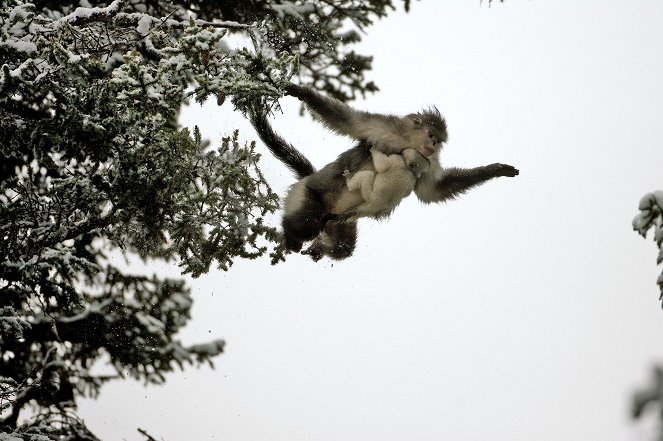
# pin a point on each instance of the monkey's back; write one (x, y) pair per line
(330, 183)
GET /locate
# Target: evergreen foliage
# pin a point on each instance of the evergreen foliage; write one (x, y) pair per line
(92, 162)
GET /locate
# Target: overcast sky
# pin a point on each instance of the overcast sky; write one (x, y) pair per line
(526, 310)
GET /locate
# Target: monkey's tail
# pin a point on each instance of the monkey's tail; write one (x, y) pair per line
(284, 152)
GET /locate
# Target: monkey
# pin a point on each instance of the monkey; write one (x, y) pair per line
(318, 204)
(392, 181)
(321, 207)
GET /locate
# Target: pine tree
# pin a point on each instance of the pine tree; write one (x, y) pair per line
(92, 162)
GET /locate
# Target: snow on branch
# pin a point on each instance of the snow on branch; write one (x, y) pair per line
(651, 217)
(85, 15)
(651, 209)
(143, 21)
(112, 13)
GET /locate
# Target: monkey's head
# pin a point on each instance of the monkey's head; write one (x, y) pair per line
(429, 131)
(415, 161)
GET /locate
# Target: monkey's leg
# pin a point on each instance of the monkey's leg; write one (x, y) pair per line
(337, 241)
(305, 222)
(319, 248)
(342, 239)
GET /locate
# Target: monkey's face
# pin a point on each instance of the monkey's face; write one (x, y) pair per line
(425, 139)
(418, 169)
(429, 132)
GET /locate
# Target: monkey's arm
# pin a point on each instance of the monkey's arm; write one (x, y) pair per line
(439, 184)
(383, 131)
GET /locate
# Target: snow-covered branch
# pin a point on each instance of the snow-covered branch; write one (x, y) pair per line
(651, 218)
(86, 15)
(112, 13)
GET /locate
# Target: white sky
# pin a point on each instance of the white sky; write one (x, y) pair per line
(526, 310)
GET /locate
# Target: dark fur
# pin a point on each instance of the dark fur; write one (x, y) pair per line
(338, 241)
(306, 223)
(330, 180)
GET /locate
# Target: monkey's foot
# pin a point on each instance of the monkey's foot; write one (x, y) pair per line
(315, 252)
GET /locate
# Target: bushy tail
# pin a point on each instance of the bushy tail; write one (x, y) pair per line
(284, 152)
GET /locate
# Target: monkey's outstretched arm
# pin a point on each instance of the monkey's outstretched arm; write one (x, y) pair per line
(442, 184)
(382, 131)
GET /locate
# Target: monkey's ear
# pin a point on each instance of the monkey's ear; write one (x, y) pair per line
(417, 121)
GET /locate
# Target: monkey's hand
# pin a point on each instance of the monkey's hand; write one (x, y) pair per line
(498, 169)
